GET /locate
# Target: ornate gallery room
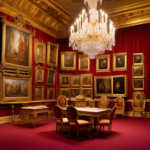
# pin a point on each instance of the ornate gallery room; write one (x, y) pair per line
(74, 74)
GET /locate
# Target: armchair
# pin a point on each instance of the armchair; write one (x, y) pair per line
(103, 102)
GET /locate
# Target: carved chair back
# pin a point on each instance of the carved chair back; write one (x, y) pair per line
(72, 114)
(103, 102)
(62, 101)
(58, 112)
(120, 103)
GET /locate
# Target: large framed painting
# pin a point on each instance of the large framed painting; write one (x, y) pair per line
(138, 84)
(65, 92)
(87, 92)
(68, 61)
(120, 86)
(103, 85)
(138, 71)
(39, 74)
(86, 80)
(39, 50)
(16, 47)
(75, 92)
(103, 63)
(52, 54)
(38, 92)
(50, 76)
(83, 63)
(75, 80)
(120, 62)
(138, 58)
(50, 93)
(64, 80)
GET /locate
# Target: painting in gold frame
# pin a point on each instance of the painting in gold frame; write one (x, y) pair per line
(52, 54)
(75, 92)
(50, 76)
(102, 85)
(138, 58)
(87, 92)
(65, 92)
(50, 93)
(68, 61)
(103, 63)
(75, 81)
(39, 74)
(38, 92)
(64, 80)
(120, 62)
(138, 71)
(39, 50)
(83, 63)
(138, 84)
(86, 80)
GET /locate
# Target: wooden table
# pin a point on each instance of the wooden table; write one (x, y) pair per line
(29, 114)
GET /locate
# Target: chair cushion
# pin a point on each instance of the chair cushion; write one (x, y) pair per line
(63, 121)
(80, 123)
(104, 121)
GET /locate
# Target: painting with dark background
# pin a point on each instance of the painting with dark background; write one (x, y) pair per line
(68, 60)
(118, 85)
(120, 61)
(52, 54)
(50, 77)
(103, 63)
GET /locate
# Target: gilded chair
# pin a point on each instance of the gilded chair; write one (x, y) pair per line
(72, 115)
(62, 101)
(103, 102)
(60, 121)
(138, 103)
(107, 122)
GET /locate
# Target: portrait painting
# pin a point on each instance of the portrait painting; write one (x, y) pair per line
(65, 92)
(86, 80)
(50, 92)
(38, 93)
(50, 76)
(120, 62)
(83, 63)
(75, 92)
(87, 92)
(138, 84)
(138, 58)
(64, 80)
(75, 80)
(103, 63)
(52, 54)
(39, 74)
(68, 61)
(138, 71)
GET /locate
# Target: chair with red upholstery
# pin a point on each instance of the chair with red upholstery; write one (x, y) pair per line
(60, 121)
(62, 101)
(72, 115)
(107, 122)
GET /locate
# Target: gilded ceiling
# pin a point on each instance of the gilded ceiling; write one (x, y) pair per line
(56, 16)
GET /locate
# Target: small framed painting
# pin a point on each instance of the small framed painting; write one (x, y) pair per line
(39, 74)
(75, 92)
(86, 80)
(120, 62)
(87, 92)
(138, 59)
(138, 84)
(64, 80)
(83, 63)
(50, 76)
(68, 61)
(75, 80)
(138, 71)
(50, 93)
(103, 63)
(65, 92)
(38, 92)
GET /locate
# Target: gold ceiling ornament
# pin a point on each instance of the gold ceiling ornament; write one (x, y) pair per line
(92, 33)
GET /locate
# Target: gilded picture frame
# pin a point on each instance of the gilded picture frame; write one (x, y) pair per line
(65, 92)
(75, 80)
(50, 93)
(50, 77)
(39, 51)
(64, 80)
(120, 62)
(103, 63)
(138, 71)
(103, 86)
(52, 54)
(39, 74)
(87, 92)
(68, 61)
(83, 63)
(138, 59)
(138, 84)
(86, 80)
(75, 92)
(38, 92)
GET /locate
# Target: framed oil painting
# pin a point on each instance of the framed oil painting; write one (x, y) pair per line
(87, 92)
(120, 86)
(38, 92)
(75, 92)
(75, 80)
(86, 80)
(39, 50)
(103, 86)
(83, 63)
(68, 61)
(65, 92)
(39, 74)
(52, 54)
(138, 58)
(103, 63)
(138, 84)
(64, 80)
(120, 62)
(16, 46)
(50, 93)
(138, 71)
(50, 76)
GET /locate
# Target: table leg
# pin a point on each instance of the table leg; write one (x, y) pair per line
(13, 120)
(34, 119)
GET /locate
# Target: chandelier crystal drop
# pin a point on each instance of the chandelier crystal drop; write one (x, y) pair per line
(92, 33)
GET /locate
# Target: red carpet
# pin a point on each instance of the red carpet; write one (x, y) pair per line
(127, 134)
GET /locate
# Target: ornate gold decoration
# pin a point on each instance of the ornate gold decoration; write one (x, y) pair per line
(80, 97)
(103, 102)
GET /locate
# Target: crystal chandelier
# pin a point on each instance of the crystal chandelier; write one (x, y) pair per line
(92, 33)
